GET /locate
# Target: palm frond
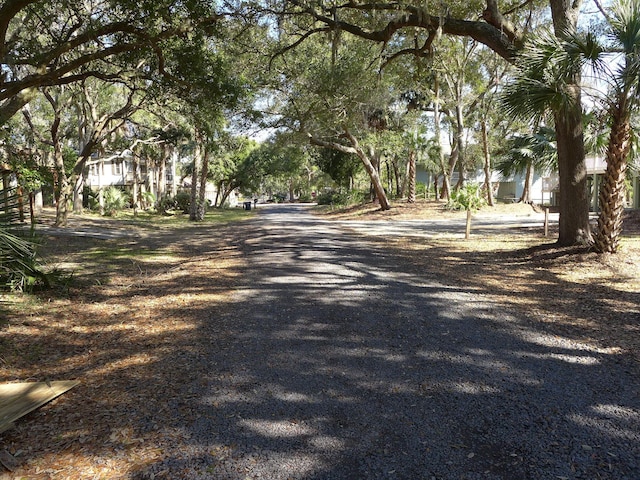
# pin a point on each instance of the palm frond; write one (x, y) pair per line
(19, 268)
(9, 208)
(538, 149)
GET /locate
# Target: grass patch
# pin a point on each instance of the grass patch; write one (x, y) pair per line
(222, 216)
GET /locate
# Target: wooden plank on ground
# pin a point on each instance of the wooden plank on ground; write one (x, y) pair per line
(18, 399)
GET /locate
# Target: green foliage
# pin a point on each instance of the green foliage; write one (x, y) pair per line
(341, 167)
(469, 197)
(166, 205)
(341, 199)
(115, 200)
(19, 268)
(183, 202)
(422, 189)
(305, 198)
(148, 198)
(538, 149)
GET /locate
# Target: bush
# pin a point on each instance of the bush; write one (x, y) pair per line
(183, 202)
(421, 190)
(148, 200)
(167, 204)
(93, 201)
(333, 197)
(305, 198)
(115, 200)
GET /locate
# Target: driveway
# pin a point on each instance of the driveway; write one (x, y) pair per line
(338, 360)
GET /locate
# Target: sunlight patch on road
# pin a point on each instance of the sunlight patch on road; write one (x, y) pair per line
(556, 341)
(573, 359)
(277, 428)
(614, 420)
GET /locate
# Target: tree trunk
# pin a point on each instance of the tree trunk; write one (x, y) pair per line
(63, 188)
(612, 189)
(136, 185)
(572, 173)
(78, 193)
(174, 180)
(411, 195)
(460, 141)
(197, 166)
(396, 177)
(202, 193)
(487, 163)
(219, 188)
(162, 176)
(528, 180)
(446, 182)
(32, 208)
(20, 194)
(225, 193)
(572, 170)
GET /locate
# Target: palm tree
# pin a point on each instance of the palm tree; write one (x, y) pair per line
(546, 66)
(526, 152)
(624, 40)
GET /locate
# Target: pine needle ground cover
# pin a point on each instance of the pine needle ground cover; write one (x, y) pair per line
(129, 327)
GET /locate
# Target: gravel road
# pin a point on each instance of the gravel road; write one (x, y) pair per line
(340, 362)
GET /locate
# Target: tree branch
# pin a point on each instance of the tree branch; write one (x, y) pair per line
(297, 42)
(500, 40)
(333, 145)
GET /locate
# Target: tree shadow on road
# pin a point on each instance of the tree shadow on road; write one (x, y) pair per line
(289, 349)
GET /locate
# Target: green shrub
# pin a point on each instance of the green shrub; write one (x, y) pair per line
(305, 198)
(148, 200)
(183, 202)
(469, 197)
(115, 200)
(343, 199)
(166, 204)
(422, 190)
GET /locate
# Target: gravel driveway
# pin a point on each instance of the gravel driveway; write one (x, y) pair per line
(338, 361)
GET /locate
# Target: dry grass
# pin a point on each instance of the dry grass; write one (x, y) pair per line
(130, 327)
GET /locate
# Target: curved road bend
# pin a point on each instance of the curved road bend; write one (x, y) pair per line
(336, 363)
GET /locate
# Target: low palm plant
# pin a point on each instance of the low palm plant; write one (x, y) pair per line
(115, 200)
(19, 268)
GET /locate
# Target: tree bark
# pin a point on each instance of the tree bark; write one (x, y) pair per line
(572, 171)
(62, 189)
(411, 194)
(612, 190)
(197, 167)
(136, 185)
(528, 180)
(202, 193)
(446, 182)
(487, 163)
(78, 193)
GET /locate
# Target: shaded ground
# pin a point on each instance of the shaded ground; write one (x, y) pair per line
(283, 351)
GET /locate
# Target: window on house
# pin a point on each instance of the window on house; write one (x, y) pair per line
(117, 167)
